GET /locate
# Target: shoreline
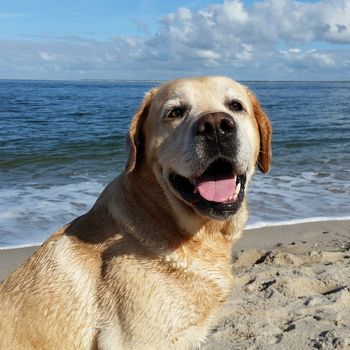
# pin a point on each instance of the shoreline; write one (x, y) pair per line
(313, 233)
(250, 227)
(315, 219)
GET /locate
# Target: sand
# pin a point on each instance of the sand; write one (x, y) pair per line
(292, 289)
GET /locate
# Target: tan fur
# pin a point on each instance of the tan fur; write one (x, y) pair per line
(142, 269)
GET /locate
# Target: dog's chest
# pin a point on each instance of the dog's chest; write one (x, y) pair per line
(160, 302)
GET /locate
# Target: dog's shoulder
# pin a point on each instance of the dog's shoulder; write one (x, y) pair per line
(56, 284)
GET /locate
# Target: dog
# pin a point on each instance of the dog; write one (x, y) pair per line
(150, 264)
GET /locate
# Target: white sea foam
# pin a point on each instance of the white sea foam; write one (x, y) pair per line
(20, 246)
(261, 224)
(30, 214)
(294, 199)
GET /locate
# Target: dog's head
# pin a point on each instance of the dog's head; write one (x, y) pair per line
(201, 137)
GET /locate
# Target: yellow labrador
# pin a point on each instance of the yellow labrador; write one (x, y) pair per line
(149, 265)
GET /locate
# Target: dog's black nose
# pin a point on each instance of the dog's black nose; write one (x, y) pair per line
(216, 125)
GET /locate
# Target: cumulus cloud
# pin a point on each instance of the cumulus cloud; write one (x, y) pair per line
(308, 59)
(233, 36)
(294, 21)
(269, 39)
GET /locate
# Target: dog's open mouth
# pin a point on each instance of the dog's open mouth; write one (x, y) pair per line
(217, 192)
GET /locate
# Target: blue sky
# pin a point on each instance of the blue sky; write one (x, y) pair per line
(96, 19)
(154, 39)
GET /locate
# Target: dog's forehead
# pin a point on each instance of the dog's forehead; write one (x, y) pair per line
(203, 91)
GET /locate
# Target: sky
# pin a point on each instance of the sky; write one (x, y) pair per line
(160, 40)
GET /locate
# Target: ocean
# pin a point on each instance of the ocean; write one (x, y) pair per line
(61, 142)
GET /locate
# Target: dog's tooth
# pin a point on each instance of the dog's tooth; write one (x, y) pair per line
(238, 188)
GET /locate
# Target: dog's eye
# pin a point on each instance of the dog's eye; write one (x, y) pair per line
(235, 106)
(177, 112)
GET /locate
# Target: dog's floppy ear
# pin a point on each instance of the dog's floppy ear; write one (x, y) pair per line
(265, 131)
(134, 139)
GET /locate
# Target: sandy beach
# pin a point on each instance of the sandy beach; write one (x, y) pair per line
(292, 288)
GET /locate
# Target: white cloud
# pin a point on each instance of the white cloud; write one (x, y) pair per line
(208, 54)
(230, 12)
(236, 37)
(293, 21)
(47, 56)
(294, 50)
(221, 38)
(308, 59)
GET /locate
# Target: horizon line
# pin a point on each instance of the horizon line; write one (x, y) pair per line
(164, 80)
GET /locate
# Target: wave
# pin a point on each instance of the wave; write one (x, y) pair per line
(21, 246)
(262, 224)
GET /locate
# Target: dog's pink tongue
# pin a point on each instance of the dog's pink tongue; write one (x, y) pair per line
(217, 190)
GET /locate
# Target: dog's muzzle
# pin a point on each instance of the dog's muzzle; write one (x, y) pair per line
(217, 189)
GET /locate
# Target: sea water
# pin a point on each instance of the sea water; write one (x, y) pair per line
(62, 142)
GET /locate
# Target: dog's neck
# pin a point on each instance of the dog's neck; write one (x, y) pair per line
(145, 213)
